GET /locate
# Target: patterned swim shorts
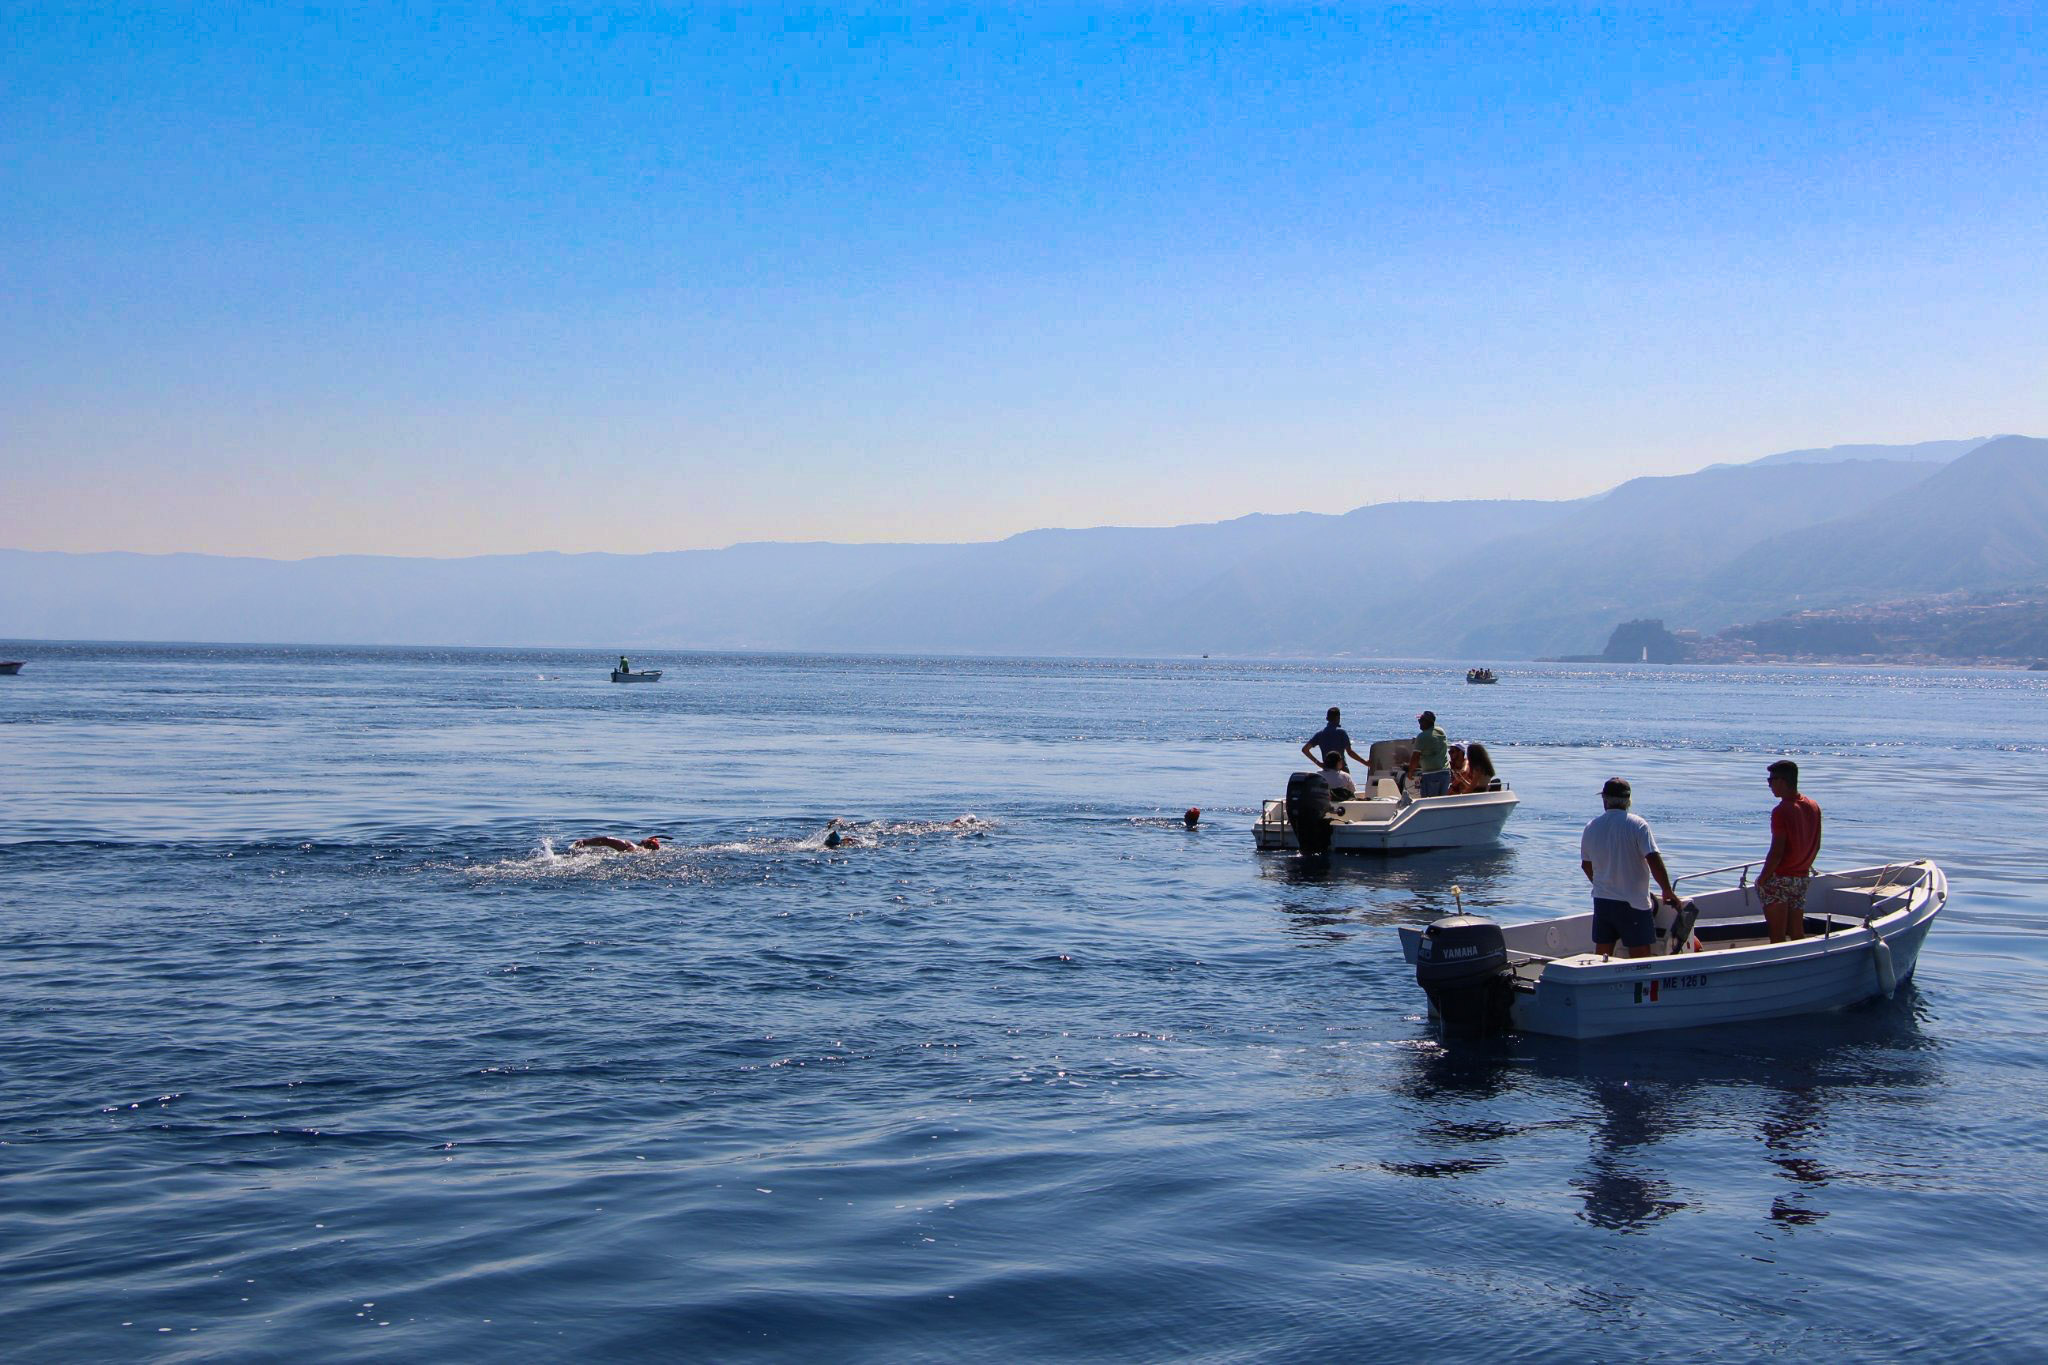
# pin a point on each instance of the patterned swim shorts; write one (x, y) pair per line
(1783, 891)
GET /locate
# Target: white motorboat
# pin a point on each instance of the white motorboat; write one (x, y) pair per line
(1713, 962)
(1383, 817)
(637, 675)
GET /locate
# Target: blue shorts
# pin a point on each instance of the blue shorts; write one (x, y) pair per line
(1635, 926)
(1437, 783)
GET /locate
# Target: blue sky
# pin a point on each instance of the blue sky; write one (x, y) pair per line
(459, 280)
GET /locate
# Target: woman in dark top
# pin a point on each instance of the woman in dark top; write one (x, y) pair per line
(1480, 764)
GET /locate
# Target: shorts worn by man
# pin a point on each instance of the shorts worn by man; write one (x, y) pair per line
(1795, 842)
(1432, 757)
(1619, 855)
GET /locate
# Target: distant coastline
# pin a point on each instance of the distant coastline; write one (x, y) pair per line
(2007, 629)
(1837, 555)
(43, 651)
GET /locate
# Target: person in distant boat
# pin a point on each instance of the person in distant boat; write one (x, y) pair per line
(1795, 841)
(625, 664)
(1484, 778)
(1619, 855)
(651, 844)
(1431, 759)
(1332, 739)
(1342, 788)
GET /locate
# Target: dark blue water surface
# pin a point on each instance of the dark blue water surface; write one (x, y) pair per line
(310, 1043)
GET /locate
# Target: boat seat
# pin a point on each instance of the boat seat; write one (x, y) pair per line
(1855, 901)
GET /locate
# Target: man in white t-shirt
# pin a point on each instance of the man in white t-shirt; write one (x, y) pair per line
(1619, 855)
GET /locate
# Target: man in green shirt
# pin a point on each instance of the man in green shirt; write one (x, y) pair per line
(1432, 757)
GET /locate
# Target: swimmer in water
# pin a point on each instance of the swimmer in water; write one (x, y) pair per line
(651, 844)
(841, 834)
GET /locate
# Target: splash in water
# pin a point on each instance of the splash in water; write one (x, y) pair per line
(675, 861)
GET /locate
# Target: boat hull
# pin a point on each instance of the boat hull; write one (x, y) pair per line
(1474, 820)
(10, 667)
(649, 675)
(1577, 994)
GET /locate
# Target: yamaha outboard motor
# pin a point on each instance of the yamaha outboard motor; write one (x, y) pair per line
(1462, 965)
(1308, 811)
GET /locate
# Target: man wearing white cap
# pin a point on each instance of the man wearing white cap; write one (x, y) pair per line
(1619, 855)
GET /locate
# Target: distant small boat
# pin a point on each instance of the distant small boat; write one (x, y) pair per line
(638, 675)
(10, 667)
(1481, 675)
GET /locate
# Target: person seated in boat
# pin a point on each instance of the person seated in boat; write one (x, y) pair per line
(1461, 775)
(1795, 841)
(1342, 787)
(1332, 739)
(1430, 763)
(651, 844)
(1480, 764)
(1619, 855)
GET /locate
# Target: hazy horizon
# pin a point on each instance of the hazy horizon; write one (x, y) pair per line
(1859, 447)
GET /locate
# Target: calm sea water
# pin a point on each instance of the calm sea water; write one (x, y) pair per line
(311, 1042)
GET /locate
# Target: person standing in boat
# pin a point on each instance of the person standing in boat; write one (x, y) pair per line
(1795, 841)
(1431, 758)
(1619, 855)
(625, 664)
(1334, 743)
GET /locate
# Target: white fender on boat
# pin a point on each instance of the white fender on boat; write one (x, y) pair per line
(1887, 975)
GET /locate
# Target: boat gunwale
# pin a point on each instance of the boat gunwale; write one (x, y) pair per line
(1923, 900)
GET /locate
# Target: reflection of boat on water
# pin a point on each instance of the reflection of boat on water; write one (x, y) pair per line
(1381, 818)
(1481, 675)
(637, 675)
(1784, 1086)
(1864, 929)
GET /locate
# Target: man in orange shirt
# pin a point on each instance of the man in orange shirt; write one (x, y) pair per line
(1795, 840)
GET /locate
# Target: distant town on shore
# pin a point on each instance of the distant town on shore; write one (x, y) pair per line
(1994, 629)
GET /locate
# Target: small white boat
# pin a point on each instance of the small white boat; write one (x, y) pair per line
(1713, 962)
(637, 675)
(1382, 818)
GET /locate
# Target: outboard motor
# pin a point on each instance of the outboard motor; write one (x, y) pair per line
(1462, 965)
(1308, 811)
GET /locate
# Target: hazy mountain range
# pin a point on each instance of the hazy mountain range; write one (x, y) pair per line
(1495, 579)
